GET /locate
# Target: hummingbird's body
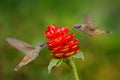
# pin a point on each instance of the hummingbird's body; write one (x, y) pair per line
(30, 52)
(89, 28)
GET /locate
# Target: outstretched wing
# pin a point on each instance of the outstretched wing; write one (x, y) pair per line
(88, 21)
(21, 46)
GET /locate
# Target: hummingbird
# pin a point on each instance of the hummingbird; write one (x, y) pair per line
(30, 52)
(89, 28)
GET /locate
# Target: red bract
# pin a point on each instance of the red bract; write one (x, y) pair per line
(60, 42)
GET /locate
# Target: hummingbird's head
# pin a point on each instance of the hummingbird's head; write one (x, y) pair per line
(41, 45)
(77, 26)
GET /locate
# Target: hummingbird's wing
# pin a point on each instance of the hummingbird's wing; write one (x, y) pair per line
(88, 21)
(21, 46)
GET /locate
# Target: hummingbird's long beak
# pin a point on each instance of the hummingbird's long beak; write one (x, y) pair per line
(72, 28)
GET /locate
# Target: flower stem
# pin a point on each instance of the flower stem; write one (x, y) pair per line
(71, 63)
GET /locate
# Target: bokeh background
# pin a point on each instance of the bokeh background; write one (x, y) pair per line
(26, 20)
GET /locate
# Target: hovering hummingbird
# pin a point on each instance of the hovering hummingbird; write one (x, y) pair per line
(30, 52)
(89, 28)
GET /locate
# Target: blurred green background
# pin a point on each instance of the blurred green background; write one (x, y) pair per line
(26, 20)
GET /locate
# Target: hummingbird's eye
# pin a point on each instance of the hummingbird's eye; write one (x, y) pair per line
(77, 26)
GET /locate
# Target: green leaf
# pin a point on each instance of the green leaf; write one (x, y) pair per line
(54, 62)
(79, 55)
(59, 62)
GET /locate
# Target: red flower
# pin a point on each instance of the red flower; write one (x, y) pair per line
(60, 42)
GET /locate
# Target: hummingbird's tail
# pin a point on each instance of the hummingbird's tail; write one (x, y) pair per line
(19, 66)
(25, 60)
(107, 32)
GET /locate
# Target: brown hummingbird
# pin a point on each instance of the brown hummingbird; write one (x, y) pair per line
(89, 28)
(30, 52)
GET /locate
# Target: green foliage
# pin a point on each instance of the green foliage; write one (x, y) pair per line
(53, 63)
(79, 55)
